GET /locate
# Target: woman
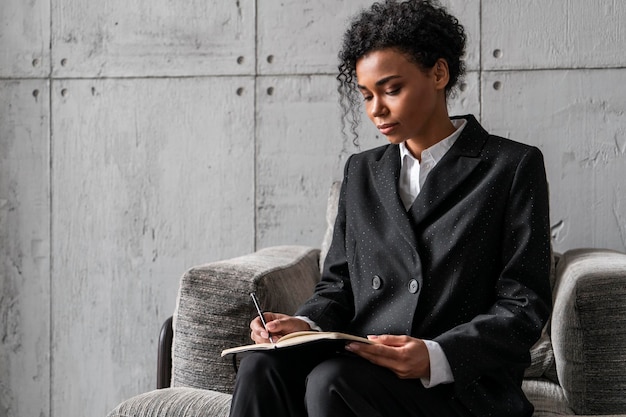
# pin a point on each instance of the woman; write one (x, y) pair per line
(440, 252)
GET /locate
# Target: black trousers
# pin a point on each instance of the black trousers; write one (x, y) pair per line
(323, 383)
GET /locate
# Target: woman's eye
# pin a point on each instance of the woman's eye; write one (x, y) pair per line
(393, 92)
(367, 98)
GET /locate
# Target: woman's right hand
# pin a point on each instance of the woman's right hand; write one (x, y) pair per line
(278, 325)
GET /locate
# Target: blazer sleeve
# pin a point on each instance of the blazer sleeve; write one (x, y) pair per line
(331, 306)
(500, 338)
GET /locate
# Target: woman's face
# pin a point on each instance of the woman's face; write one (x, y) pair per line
(405, 102)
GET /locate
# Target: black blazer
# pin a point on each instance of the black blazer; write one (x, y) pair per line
(467, 266)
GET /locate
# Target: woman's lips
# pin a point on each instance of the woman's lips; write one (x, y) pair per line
(387, 128)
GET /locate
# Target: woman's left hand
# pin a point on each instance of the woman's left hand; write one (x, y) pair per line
(406, 356)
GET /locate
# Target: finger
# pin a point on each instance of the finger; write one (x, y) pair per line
(287, 324)
(269, 316)
(375, 353)
(390, 340)
(383, 356)
(258, 333)
(258, 337)
(256, 325)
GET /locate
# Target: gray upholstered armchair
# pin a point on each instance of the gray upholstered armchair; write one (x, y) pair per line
(578, 366)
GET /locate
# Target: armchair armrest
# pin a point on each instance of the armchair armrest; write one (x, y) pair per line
(214, 309)
(589, 330)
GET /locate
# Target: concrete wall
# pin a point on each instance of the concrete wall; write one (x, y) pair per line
(138, 138)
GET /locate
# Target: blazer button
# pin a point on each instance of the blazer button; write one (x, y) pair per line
(376, 282)
(413, 286)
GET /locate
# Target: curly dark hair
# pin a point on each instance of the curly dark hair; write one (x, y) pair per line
(421, 29)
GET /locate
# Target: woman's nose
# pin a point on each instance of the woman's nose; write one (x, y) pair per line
(378, 108)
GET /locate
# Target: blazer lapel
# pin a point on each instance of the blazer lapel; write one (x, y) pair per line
(386, 174)
(451, 171)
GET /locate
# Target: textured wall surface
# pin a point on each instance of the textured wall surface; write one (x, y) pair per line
(141, 137)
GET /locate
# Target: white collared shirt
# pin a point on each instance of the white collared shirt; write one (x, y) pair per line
(413, 173)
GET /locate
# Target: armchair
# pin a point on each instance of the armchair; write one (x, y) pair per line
(578, 366)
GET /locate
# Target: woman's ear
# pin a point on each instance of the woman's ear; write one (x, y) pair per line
(442, 73)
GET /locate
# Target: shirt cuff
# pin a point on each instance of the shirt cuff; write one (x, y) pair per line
(440, 371)
(310, 322)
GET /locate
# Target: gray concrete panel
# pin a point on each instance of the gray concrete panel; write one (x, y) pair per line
(533, 34)
(24, 249)
(150, 177)
(152, 38)
(298, 149)
(24, 38)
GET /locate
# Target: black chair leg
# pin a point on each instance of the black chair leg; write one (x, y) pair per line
(164, 358)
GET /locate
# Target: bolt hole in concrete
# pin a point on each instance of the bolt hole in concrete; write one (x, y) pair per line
(497, 85)
(497, 53)
(240, 91)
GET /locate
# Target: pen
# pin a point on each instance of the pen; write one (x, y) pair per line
(258, 309)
